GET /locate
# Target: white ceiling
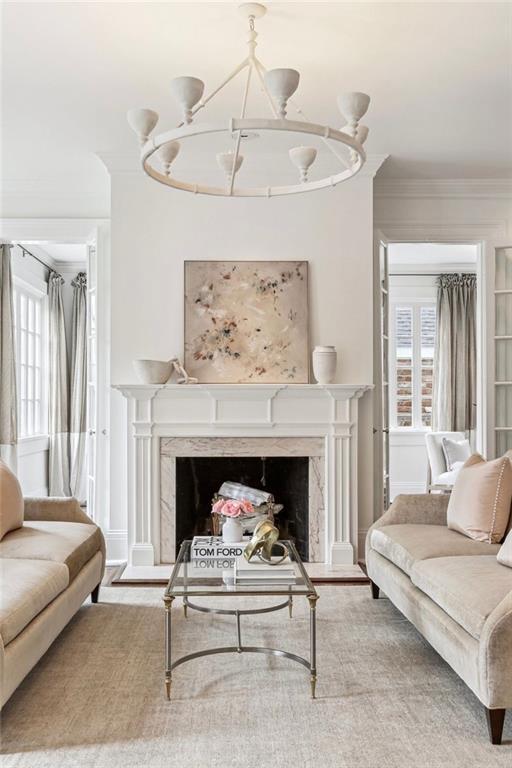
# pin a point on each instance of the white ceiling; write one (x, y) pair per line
(440, 77)
(60, 253)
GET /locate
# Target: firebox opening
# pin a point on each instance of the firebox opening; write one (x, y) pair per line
(198, 479)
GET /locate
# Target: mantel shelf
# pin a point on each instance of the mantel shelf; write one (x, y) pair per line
(240, 389)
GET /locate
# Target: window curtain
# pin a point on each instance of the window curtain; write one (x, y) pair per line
(454, 379)
(78, 403)
(58, 460)
(8, 420)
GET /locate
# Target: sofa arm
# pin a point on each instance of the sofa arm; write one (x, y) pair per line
(425, 508)
(65, 509)
(495, 656)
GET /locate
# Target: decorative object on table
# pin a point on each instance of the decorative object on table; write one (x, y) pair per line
(264, 539)
(324, 364)
(258, 572)
(263, 504)
(247, 321)
(183, 377)
(233, 511)
(345, 153)
(160, 371)
(153, 371)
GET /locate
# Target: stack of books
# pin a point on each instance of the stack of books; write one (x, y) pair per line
(213, 548)
(258, 573)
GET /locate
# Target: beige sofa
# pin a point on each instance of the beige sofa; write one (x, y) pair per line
(47, 569)
(453, 590)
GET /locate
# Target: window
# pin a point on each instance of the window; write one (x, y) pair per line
(31, 359)
(412, 331)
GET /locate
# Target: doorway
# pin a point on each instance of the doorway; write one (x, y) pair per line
(57, 415)
(407, 299)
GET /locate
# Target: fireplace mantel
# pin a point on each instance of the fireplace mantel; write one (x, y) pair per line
(242, 410)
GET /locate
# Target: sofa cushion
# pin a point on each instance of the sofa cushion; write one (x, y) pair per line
(406, 543)
(468, 589)
(479, 506)
(70, 543)
(26, 588)
(504, 556)
(11, 501)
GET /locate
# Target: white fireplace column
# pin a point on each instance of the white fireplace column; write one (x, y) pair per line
(141, 468)
(243, 411)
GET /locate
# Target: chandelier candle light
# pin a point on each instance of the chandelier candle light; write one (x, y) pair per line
(159, 152)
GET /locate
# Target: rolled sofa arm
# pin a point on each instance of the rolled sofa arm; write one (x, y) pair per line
(419, 509)
(65, 509)
(495, 656)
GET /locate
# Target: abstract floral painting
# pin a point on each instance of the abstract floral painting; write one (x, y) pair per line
(247, 321)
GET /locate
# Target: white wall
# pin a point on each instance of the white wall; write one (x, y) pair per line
(155, 229)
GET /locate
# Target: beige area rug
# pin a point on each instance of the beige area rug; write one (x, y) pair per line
(385, 699)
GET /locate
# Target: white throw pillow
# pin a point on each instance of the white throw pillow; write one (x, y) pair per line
(505, 554)
(455, 452)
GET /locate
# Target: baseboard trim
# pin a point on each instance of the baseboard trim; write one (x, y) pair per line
(116, 541)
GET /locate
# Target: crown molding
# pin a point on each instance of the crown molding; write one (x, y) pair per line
(443, 188)
(62, 230)
(372, 165)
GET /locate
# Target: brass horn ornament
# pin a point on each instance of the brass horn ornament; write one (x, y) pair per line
(264, 538)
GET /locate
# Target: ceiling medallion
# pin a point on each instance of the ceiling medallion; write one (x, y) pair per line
(158, 153)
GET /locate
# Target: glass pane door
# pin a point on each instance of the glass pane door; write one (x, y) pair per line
(503, 350)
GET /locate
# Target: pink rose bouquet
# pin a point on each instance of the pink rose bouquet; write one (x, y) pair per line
(233, 508)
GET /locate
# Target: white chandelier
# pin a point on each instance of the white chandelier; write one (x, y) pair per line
(346, 145)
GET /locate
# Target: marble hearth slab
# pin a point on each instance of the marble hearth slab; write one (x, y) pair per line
(160, 574)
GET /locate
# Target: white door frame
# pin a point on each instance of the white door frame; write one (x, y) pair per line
(487, 236)
(83, 231)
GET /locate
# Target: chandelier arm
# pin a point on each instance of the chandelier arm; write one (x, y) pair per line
(203, 102)
(257, 65)
(299, 111)
(235, 158)
(246, 91)
(239, 132)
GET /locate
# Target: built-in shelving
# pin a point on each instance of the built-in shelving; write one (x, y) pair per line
(503, 350)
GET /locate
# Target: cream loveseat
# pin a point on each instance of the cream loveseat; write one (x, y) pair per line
(48, 566)
(454, 591)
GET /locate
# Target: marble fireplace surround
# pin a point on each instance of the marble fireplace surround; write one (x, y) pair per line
(319, 419)
(312, 447)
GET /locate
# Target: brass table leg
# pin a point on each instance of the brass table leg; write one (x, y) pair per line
(184, 608)
(312, 642)
(168, 674)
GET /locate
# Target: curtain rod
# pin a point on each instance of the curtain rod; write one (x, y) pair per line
(431, 274)
(26, 252)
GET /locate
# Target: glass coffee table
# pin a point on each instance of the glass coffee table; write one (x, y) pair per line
(210, 579)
